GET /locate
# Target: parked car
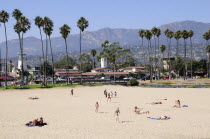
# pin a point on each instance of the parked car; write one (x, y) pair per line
(105, 78)
(165, 78)
(128, 78)
(61, 79)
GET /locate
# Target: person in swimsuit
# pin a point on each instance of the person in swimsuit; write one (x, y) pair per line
(140, 111)
(117, 113)
(112, 94)
(97, 106)
(115, 94)
(177, 104)
(155, 103)
(109, 97)
(105, 93)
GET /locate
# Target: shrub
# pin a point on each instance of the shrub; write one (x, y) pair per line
(133, 82)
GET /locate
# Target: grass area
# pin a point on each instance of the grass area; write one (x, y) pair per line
(190, 86)
(49, 86)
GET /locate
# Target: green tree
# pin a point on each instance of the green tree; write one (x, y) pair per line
(86, 62)
(48, 28)
(48, 67)
(190, 34)
(162, 49)
(82, 24)
(93, 53)
(185, 36)
(4, 17)
(39, 22)
(64, 31)
(206, 36)
(177, 36)
(148, 36)
(178, 66)
(62, 63)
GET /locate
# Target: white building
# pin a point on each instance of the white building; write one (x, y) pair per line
(103, 62)
(24, 62)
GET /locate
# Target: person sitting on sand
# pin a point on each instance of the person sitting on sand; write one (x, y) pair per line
(155, 103)
(97, 106)
(36, 122)
(177, 104)
(117, 113)
(109, 97)
(33, 98)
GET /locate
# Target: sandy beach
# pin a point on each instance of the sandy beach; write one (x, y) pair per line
(74, 116)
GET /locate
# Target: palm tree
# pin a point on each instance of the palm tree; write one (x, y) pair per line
(177, 36)
(208, 52)
(65, 30)
(190, 34)
(206, 36)
(162, 49)
(93, 53)
(4, 16)
(48, 28)
(148, 36)
(17, 14)
(39, 22)
(154, 31)
(158, 33)
(82, 24)
(141, 35)
(25, 26)
(169, 34)
(185, 36)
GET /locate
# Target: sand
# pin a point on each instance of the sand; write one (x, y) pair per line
(75, 117)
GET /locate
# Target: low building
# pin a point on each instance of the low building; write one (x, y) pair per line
(101, 70)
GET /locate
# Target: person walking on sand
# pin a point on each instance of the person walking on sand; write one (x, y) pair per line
(115, 94)
(72, 92)
(97, 106)
(117, 113)
(109, 97)
(105, 93)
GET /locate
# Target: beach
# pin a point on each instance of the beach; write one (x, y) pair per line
(75, 117)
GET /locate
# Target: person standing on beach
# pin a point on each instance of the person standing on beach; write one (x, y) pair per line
(97, 106)
(112, 94)
(117, 113)
(105, 93)
(109, 97)
(72, 92)
(115, 94)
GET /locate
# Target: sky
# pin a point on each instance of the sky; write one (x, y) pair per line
(129, 14)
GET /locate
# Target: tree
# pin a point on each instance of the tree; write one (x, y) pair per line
(112, 52)
(141, 35)
(62, 63)
(158, 33)
(82, 24)
(190, 34)
(169, 35)
(39, 22)
(177, 36)
(154, 32)
(48, 28)
(208, 52)
(4, 17)
(93, 53)
(64, 31)
(86, 62)
(206, 36)
(185, 36)
(178, 66)
(48, 67)
(162, 49)
(148, 36)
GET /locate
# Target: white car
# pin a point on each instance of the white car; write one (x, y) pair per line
(104, 78)
(128, 78)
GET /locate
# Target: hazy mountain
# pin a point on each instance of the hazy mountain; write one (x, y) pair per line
(32, 45)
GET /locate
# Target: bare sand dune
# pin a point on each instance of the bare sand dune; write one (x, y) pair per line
(75, 117)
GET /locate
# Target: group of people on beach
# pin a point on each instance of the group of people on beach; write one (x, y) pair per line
(109, 95)
(36, 122)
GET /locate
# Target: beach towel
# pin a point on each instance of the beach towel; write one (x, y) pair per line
(157, 118)
(184, 105)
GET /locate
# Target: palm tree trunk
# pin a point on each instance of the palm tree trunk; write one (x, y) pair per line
(46, 60)
(22, 67)
(142, 44)
(185, 59)
(155, 59)
(43, 58)
(52, 60)
(177, 47)
(5, 31)
(80, 54)
(151, 75)
(158, 59)
(67, 63)
(169, 56)
(191, 58)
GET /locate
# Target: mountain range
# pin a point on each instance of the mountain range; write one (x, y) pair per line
(94, 39)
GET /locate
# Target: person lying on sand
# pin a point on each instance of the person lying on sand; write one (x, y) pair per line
(140, 111)
(160, 118)
(33, 98)
(36, 122)
(177, 104)
(155, 103)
